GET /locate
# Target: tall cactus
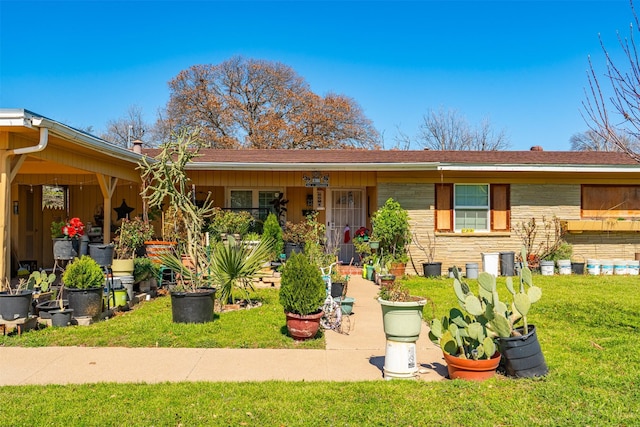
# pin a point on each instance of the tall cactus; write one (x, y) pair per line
(526, 295)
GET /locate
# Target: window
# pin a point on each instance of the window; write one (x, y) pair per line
(612, 201)
(477, 207)
(471, 207)
(241, 199)
(250, 199)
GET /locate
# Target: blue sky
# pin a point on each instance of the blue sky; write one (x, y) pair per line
(522, 64)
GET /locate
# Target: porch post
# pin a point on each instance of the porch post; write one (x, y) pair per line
(107, 186)
(5, 218)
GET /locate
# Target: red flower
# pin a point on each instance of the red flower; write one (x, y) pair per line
(361, 232)
(74, 228)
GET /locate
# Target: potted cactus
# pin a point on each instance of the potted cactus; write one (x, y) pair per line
(521, 352)
(467, 336)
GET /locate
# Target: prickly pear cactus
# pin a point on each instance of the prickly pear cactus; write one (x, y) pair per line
(466, 332)
(41, 279)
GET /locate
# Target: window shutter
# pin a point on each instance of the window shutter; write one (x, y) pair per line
(444, 207)
(500, 207)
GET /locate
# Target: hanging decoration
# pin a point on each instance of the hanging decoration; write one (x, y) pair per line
(123, 210)
(347, 234)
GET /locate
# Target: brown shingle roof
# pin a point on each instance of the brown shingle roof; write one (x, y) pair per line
(415, 156)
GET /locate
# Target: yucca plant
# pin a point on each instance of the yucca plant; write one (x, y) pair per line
(234, 265)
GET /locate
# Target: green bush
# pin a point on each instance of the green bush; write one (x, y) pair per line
(229, 222)
(131, 236)
(391, 228)
(564, 251)
(144, 268)
(302, 290)
(272, 229)
(83, 273)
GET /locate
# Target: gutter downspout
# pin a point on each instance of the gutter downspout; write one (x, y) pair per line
(6, 177)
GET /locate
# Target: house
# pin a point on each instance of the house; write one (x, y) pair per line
(470, 202)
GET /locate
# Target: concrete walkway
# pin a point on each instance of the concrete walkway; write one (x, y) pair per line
(358, 356)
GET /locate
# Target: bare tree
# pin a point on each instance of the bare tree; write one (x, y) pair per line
(127, 128)
(248, 103)
(486, 138)
(402, 140)
(614, 115)
(448, 130)
(591, 140)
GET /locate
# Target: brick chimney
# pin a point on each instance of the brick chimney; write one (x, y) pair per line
(534, 148)
(137, 146)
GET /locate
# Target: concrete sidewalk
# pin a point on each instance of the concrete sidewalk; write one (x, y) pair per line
(358, 356)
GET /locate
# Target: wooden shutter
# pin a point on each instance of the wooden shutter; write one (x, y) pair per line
(444, 207)
(500, 207)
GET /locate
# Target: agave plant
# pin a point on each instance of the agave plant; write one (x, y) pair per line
(234, 265)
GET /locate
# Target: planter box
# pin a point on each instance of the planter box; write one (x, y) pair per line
(580, 225)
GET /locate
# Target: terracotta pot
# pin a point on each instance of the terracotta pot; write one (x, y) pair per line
(303, 327)
(387, 280)
(155, 248)
(187, 261)
(398, 269)
(471, 370)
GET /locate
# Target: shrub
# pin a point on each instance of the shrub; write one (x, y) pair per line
(229, 222)
(131, 236)
(83, 273)
(144, 268)
(391, 228)
(302, 290)
(272, 229)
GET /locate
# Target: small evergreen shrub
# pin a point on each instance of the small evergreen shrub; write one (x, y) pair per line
(302, 290)
(272, 229)
(83, 273)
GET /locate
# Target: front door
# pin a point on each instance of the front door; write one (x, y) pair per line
(347, 209)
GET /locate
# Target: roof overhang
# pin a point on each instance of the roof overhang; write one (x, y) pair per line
(208, 166)
(20, 118)
(539, 168)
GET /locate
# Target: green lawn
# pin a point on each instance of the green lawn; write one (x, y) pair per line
(587, 327)
(150, 325)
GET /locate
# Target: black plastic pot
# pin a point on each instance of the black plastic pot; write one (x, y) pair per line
(336, 289)
(507, 262)
(15, 306)
(577, 267)
(101, 254)
(192, 307)
(432, 269)
(61, 317)
(292, 248)
(85, 302)
(46, 307)
(522, 356)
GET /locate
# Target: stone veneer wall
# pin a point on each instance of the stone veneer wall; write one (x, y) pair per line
(527, 201)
